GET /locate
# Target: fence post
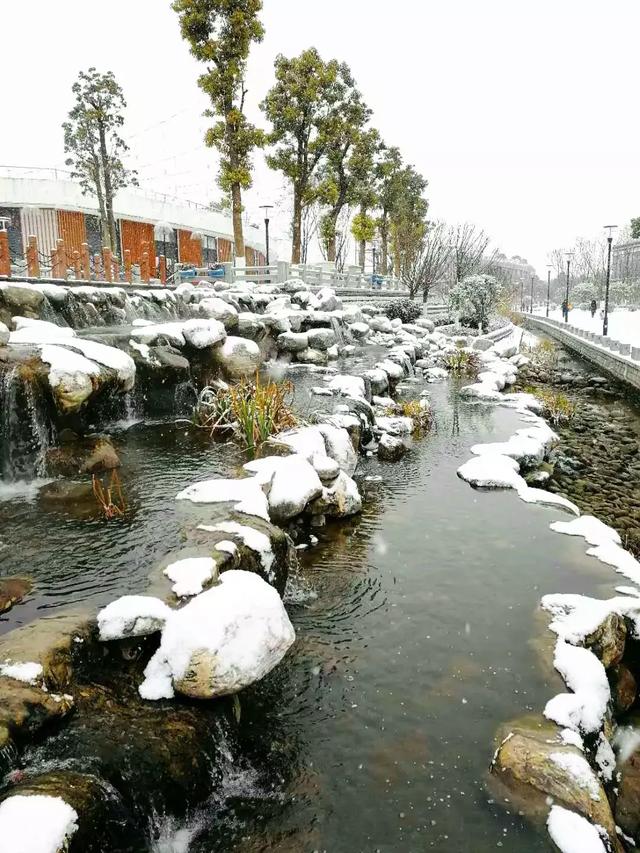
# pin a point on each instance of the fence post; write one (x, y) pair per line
(62, 260)
(128, 274)
(283, 271)
(86, 264)
(106, 263)
(144, 268)
(5, 257)
(77, 271)
(96, 266)
(163, 269)
(33, 262)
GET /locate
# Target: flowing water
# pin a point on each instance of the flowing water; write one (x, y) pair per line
(414, 623)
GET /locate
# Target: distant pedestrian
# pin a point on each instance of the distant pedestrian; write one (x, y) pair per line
(594, 306)
(565, 310)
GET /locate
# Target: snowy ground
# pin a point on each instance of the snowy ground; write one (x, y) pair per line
(624, 325)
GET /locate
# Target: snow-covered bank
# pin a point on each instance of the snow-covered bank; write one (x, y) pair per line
(624, 325)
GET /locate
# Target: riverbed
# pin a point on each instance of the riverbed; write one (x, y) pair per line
(414, 623)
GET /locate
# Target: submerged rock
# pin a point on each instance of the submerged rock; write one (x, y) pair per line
(390, 448)
(534, 762)
(12, 591)
(89, 455)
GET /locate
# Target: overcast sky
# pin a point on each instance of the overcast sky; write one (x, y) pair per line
(523, 116)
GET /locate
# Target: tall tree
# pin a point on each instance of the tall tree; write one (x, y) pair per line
(304, 107)
(342, 167)
(407, 217)
(365, 190)
(220, 34)
(94, 145)
(388, 170)
(635, 228)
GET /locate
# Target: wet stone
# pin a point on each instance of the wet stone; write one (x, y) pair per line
(12, 591)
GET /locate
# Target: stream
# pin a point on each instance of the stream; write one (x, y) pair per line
(413, 622)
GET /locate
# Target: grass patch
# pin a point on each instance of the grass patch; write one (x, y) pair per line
(557, 407)
(420, 415)
(253, 410)
(463, 363)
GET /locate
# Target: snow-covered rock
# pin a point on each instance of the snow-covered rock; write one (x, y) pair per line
(291, 483)
(391, 448)
(4, 335)
(380, 323)
(191, 575)
(359, 330)
(397, 426)
(321, 339)
(225, 639)
(339, 447)
(203, 333)
(573, 833)
(239, 357)
(348, 386)
(247, 495)
(132, 616)
(292, 341)
(492, 471)
(340, 499)
(217, 309)
(36, 824)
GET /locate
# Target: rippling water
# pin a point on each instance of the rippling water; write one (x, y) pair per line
(414, 624)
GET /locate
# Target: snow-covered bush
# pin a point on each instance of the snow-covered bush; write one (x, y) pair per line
(405, 309)
(474, 298)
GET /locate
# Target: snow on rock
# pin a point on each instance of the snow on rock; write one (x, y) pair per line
(393, 370)
(339, 447)
(203, 333)
(435, 374)
(239, 357)
(253, 539)
(292, 482)
(340, 499)
(70, 376)
(615, 555)
(481, 391)
(576, 617)
(347, 386)
(36, 824)
(541, 496)
(5, 334)
(247, 495)
(492, 471)
(590, 528)
(222, 641)
(29, 672)
(572, 833)
(395, 425)
(191, 575)
(149, 334)
(307, 441)
(528, 445)
(30, 331)
(217, 309)
(579, 769)
(132, 616)
(584, 709)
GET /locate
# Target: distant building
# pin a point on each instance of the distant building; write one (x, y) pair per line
(515, 270)
(625, 261)
(53, 209)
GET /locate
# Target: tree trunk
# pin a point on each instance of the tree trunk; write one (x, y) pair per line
(236, 211)
(97, 182)
(362, 249)
(108, 191)
(331, 247)
(384, 240)
(296, 231)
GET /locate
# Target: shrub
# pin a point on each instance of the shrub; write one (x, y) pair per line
(475, 298)
(556, 407)
(462, 363)
(418, 411)
(406, 310)
(546, 355)
(252, 409)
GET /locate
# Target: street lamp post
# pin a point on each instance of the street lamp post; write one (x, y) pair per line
(566, 302)
(266, 208)
(605, 322)
(531, 305)
(548, 286)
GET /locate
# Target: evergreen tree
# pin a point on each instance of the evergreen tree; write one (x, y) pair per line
(94, 145)
(220, 34)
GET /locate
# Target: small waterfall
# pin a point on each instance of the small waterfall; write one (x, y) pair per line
(336, 325)
(26, 432)
(185, 398)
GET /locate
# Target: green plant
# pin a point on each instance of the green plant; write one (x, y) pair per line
(418, 411)
(253, 410)
(404, 309)
(461, 362)
(557, 407)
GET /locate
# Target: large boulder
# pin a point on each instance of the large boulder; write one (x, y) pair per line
(535, 762)
(359, 330)
(381, 323)
(390, 448)
(238, 357)
(321, 339)
(201, 334)
(218, 309)
(291, 483)
(312, 356)
(4, 335)
(88, 455)
(340, 499)
(292, 341)
(225, 639)
(13, 590)
(327, 299)
(627, 809)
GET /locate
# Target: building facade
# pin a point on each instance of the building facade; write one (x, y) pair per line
(53, 209)
(625, 261)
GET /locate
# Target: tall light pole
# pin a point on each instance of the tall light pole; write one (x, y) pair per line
(266, 208)
(605, 322)
(521, 295)
(548, 286)
(569, 255)
(531, 305)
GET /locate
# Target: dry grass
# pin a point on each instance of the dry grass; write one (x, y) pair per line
(252, 409)
(463, 363)
(109, 495)
(422, 417)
